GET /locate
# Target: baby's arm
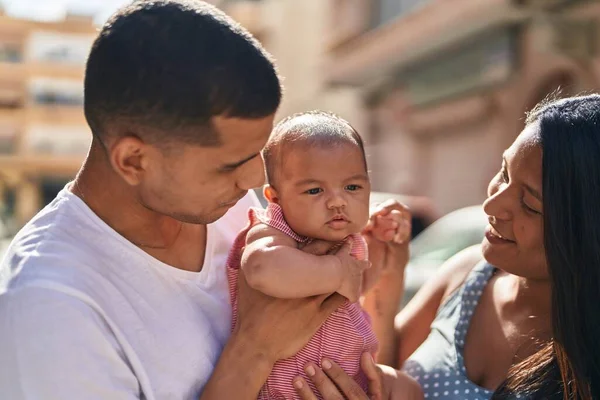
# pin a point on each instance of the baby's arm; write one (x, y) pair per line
(273, 264)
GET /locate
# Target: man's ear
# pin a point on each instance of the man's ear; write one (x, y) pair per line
(129, 157)
(270, 194)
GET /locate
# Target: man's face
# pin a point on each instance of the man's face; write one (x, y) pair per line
(198, 185)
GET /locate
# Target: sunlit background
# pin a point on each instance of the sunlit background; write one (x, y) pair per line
(438, 89)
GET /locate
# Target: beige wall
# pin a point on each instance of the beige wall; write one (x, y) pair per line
(50, 140)
(450, 151)
(297, 33)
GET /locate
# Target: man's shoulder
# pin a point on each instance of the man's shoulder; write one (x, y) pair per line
(57, 242)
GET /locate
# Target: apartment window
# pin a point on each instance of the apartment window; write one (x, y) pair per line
(385, 11)
(59, 47)
(8, 135)
(10, 52)
(48, 91)
(57, 140)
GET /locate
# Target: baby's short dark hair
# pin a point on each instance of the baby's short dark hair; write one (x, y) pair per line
(312, 128)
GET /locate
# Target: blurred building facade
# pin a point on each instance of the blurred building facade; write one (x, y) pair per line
(43, 132)
(297, 33)
(446, 84)
(438, 88)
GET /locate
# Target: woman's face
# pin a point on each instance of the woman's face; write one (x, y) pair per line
(514, 238)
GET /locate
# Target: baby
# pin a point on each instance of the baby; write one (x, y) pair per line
(318, 189)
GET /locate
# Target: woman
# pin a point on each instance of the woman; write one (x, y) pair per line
(524, 321)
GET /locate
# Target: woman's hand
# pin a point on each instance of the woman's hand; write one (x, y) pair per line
(387, 234)
(333, 383)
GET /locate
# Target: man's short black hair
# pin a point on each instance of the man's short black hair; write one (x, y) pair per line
(175, 64)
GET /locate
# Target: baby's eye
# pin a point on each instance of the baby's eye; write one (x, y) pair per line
(314, 191)
(352, 188)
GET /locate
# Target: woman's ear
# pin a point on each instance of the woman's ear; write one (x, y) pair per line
(270, 194)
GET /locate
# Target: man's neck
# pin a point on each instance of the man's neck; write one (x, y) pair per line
(116, 203)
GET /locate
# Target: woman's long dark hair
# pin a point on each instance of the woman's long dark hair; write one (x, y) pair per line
(568, 367)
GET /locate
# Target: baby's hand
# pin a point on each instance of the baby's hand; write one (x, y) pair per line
(391, 226)
(353, 273)
(388, 236)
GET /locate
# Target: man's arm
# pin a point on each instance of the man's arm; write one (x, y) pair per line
(241, 371)
(268, 329)
(273, 264)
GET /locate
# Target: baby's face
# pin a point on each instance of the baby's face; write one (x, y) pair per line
(324, 191)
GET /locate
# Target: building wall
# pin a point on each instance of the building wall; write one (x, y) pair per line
(450, 150)
(43, 133)
(298, 34)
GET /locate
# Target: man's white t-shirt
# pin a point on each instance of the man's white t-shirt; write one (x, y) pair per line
(85, 314)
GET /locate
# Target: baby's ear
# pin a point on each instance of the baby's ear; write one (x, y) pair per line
(270, 194)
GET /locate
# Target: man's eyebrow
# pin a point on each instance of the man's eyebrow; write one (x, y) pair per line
(239, 163)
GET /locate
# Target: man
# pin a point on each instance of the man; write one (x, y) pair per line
(117, 290)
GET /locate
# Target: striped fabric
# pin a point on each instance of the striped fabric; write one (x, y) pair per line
(343, 337)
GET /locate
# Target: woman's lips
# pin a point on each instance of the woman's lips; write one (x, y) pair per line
(494, 237)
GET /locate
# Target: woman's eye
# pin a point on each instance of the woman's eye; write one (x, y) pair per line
(352, 188)
(529, 209)
(314, 191)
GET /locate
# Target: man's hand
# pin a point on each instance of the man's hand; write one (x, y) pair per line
(279, 328)
(388, 235)
(268, 329)
(353, 269)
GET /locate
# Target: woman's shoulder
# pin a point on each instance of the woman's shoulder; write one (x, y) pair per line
(455, 271)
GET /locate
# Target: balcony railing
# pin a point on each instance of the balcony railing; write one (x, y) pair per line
(63, 55)
(57, 99)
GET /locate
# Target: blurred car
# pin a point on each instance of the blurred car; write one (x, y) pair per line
(443, 239)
